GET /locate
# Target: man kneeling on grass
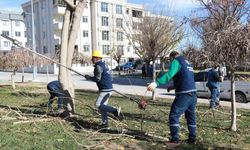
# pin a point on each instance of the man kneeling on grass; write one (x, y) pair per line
(55, 90)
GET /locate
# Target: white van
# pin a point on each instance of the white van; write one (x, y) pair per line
(242, 88)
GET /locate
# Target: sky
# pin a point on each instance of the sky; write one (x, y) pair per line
(178, 8)
(13, 5)
(181, 7)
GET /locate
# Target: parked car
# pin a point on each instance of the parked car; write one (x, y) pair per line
(126, 66)
(242, 88)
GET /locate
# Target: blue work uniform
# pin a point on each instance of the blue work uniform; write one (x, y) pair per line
(103, 79)
(185, 100)
(55, 90)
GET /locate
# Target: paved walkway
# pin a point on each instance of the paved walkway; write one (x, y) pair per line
(126, 85)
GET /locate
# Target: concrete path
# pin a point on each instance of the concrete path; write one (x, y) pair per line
(126, 85)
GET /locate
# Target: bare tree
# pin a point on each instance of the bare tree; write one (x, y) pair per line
(71, 24)
(195, 56)
(225, 37)
(17, 59)
(154, 35)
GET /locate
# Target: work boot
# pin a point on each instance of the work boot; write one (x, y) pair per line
(117, 112)
(172, 144)
(190, 141)
(217, 104)
(104, 126)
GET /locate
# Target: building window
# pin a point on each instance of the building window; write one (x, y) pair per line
(104, 7)
(119, 36)
(135, 25)
(44, 35)
(120, 49)
(6, 43)
(45, 50)
(119, 22)
(128, 49)
(85, 33)
(136, 13)
(119, 9)
(105, 35)
(43, 4)
(5, 22)
(7, 33)
(85, 19)
(105, 49)
(59, 3)
(105, 21)
(17, 23)
(86, 48)
(127, 11)
(17, 33)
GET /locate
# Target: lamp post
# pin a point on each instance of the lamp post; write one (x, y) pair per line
(33, 41)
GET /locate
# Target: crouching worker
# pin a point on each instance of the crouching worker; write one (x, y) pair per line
(55, 90)
(103, 79)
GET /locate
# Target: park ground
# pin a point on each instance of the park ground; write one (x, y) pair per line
(26, 124)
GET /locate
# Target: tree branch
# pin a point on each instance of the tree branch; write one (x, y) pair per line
(70, 4)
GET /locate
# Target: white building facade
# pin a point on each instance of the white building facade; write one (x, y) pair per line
(12, 25)
(103, 27)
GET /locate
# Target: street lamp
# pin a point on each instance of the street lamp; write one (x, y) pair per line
(33, 37)
(33, 41)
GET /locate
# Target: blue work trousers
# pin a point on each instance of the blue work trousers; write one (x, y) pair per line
(54, 91)
(215, 96)
(102, 105)
(183, 103)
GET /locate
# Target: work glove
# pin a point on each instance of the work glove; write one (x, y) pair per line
(152, 86)
(87, 77)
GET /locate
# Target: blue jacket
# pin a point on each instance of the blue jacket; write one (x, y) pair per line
(184, 78)
(54, 85)
(102, 77)
(213, 79)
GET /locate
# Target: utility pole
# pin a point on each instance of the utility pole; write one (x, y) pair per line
(33, 41)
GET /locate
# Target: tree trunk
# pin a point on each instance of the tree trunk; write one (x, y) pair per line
(70, 29)
(119, 69)
(233, 104)
(154, 77)
(47, 72)
(22, 75)
(13, 81)
(63, 78)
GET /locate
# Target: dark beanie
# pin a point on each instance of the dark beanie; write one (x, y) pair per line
(173, 54)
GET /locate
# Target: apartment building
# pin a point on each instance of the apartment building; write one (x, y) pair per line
(103, 27)
(111, 21)
(43, 26)
(12, 25)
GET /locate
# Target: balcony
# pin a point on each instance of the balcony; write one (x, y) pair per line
(58, 26)
(58, 11)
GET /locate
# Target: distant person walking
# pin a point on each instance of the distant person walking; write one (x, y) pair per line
(143, 71)
(103, 79)
(213, 84)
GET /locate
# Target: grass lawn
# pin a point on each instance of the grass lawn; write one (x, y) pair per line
(25, 125)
